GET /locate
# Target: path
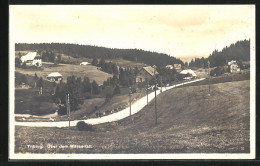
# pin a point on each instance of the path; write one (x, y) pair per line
(136, 107)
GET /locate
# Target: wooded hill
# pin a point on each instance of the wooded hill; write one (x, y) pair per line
(87, 51)
(240, 51)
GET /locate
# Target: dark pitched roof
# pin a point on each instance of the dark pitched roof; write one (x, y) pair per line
(150, 70)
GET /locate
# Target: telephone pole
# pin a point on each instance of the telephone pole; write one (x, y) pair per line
(68, 107)
(155, 105)
(147, 91)
(91, 88)
(209, 74)
(130, 94)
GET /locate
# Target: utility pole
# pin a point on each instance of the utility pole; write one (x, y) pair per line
(155, 106)
(130, 94)
(161, 83)
(91, 88)
(68, 107)
(209, 74)
(147, 91)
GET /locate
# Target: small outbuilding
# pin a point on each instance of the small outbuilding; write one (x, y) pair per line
(84, 63)
(190, 74)
(54, 77)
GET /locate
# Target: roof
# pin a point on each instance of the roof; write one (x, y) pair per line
(169, 66)
(177, 65)
(54, 74)
(28, 56)
(150, 70)
(84, 63)
(232, 62)
(189, 71)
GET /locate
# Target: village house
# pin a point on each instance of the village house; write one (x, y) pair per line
(169, 67)
(177, 67)
(188, 74)
(31, 59)
(84, 63)
(54, 77)
(233, 66)
(146, 74)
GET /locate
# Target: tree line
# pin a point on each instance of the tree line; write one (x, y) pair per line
(87, 51)
(108, 67)
(240, 51)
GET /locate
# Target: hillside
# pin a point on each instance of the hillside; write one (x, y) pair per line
(188, 121)
(86, 51)
(67, 70)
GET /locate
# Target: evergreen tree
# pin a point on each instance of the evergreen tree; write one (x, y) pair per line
(94, 62)
(116, 90)
(95, 87)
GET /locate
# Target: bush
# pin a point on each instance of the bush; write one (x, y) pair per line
(62, 110)
(217, 71)
(82, 126)
(117, 90)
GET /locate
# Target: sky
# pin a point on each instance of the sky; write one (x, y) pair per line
(183, 31)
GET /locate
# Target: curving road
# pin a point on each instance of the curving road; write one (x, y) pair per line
(136, 107)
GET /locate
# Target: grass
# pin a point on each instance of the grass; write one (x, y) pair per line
(67, 70)
(222, 79)
(188, 121)
(126, 63)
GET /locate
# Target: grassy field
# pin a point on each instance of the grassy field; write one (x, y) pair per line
(126, 63)
(188, 121)
(222, 79)
(67, 70)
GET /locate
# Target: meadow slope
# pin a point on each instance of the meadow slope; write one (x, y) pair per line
(189, 120)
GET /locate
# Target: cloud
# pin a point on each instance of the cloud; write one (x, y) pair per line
(178, 30)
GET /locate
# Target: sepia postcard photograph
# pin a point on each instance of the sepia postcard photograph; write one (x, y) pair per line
(131, 82)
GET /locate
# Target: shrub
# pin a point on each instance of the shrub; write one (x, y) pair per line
(117, 90)
(62, 110)
(82, 126)
(217, 71)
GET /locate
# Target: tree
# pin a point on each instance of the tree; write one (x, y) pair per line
(18, 62)
(35, 80)
(86, 85)
(94, 62)
(95, 87)
(23, 79)
(24, 65)
(102, 63)
(74, 89)
(116, 90)
(40, 85)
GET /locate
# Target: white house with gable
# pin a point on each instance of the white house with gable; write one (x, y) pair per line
(31, 59)
(188, 72)
(54, 77)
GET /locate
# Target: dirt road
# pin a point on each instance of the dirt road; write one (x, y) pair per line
(136, 107)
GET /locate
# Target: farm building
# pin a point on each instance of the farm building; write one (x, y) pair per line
(146, 74)
(84, 63)
(31, 59)
(233, 67)
(54, 77)
(189, 73)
